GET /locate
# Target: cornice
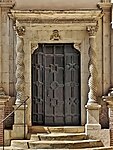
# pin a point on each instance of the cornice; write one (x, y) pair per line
(56, 16)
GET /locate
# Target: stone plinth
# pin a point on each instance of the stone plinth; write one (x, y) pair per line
(92, 117)
(93, 128)
(109, 101)
(19, 123)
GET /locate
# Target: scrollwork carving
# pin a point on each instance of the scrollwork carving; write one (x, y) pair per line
(77, 46)
(34, 46)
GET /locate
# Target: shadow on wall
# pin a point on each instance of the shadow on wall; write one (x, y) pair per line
(104, 119)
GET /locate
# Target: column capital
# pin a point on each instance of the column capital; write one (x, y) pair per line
(20, 30)
(105, 6)
(92, 30)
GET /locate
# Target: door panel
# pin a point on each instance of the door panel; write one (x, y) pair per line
(56, 85)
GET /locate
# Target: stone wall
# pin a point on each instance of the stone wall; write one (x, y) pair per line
(55, 4)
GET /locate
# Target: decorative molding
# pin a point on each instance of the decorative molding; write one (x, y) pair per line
(92, 30)
(34, 46)
(77, 46)
(55, 35)
(56, 17)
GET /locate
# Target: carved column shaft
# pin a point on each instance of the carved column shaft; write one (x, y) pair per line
(92, 82)
(20, 83)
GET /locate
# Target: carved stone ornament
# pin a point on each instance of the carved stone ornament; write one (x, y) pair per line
(20, 30)
(55, 35)
(92, 30)
(34, 46)
(77, 46)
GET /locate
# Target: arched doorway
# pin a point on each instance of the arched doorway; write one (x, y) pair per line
(56, 85)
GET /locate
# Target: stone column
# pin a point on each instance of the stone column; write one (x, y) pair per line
(1, 89)
(92, 104)
(107, 55)
(20, 115)
(20, 84)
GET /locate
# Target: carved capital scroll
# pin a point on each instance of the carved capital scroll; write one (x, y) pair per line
(92, 30)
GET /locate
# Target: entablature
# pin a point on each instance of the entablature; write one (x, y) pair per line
(57, 17)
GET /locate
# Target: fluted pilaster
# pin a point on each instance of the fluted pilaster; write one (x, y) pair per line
(20, 83)
(92, 82)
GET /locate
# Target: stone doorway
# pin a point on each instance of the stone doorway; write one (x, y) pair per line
(56, 85)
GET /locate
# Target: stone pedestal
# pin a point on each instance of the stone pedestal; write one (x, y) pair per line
(93, 128)
(109, 100)
(20, 128)
(92, 117)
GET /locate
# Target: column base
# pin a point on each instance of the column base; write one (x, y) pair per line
(20, 128)
(92, 127)
(19, 132)
(19, 118)
(92, 114)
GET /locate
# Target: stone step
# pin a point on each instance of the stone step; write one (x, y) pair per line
(28, 144)
(67, 129)
(17, 148)
(98, 148)
(59, 137)
(65, 144)
(21, 143)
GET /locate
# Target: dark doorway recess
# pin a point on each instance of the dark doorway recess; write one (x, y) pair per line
(56, 85)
